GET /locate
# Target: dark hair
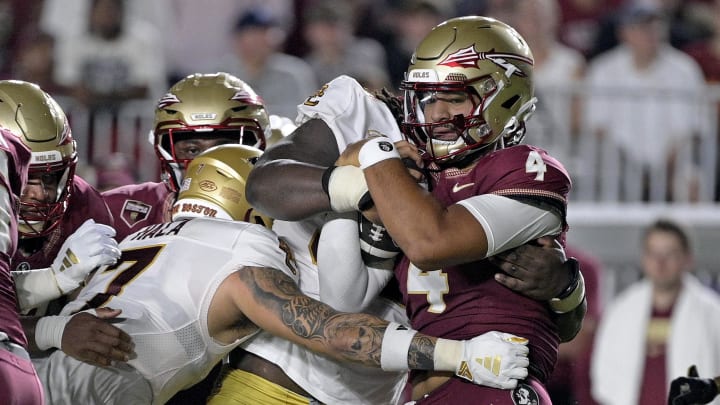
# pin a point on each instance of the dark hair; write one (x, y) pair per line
(393, 103)
(669, 226)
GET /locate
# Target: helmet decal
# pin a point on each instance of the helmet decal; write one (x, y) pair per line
(469, 57)
(167, 100)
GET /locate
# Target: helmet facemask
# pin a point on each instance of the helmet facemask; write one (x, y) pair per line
(205, 107)
(485, 59)
(38, 219)
(37, 119)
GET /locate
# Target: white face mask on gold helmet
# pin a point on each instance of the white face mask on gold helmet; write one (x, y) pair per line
(488, 60)
(214, 186)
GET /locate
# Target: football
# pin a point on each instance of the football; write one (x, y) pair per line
(375, 243)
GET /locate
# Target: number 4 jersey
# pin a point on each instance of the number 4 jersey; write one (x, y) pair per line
(459, 302)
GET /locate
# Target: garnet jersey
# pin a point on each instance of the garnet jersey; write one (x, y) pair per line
(463, 301)
(138, 205)
(350, 111)
(85, 202)
(164, 283)
(14, 161)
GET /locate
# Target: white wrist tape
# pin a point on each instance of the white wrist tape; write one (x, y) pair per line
(49, 331)
(346, 187)
(448, 354)
(561, 306)
(395, 347)
(375, 151)
(35, 287)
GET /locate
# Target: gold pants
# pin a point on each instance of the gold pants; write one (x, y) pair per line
(242, 388)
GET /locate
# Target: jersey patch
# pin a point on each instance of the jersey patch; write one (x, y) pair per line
(524, 394)
(134, 211)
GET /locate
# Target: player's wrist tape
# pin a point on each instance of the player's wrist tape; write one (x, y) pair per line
(375, 151)
(395, 347)
(49, 331)
(448, 354)
(572, 301)
(345, 186)
(64, 283)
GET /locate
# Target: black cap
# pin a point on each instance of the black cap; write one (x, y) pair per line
(255, 18)
(639, 12)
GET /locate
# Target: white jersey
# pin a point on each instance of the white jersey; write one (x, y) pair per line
(164, 285)
(350, 112)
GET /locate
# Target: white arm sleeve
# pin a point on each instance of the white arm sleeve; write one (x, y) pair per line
(35, 287)
(509, 223)
(346, 284)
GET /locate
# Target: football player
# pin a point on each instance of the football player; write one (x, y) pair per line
(193, 289)
(63, 223)
(18, 381)
(342, 113)
(468, 92)
(198, 112)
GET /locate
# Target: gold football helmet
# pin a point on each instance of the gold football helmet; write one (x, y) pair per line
(217, 105)
(488, 60)
(35, 117)
(214, 185)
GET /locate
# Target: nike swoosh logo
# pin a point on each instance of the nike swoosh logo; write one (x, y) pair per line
(458, 187)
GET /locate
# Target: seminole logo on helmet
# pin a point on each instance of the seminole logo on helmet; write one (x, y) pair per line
(167, 99)
(469, 58)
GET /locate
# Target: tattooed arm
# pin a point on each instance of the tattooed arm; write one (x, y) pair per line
(273, 302)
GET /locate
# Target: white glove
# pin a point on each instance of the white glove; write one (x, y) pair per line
(493, 359)
(92, 245)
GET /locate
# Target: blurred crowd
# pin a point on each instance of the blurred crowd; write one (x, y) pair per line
(102, 53)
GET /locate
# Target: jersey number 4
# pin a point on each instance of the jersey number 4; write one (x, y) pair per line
(535, 164)
(434, 284)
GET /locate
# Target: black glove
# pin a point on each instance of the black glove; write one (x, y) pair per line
(692, 389)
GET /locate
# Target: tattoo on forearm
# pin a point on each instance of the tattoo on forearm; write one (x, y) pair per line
(354, 337)
(421, 353)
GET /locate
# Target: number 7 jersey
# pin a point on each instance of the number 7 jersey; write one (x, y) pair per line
(164, 284)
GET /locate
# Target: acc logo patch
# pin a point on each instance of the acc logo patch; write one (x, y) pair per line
(524, 394)
(134, 211)
(207, 185)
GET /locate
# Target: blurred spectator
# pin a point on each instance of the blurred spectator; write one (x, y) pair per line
(570, 382)
(644, 101)
(16, 18)
(284, 81)
(656, 327)
(707, 51)
(409, 21)
(35, 62)
(109, 64)
(335, 50)
(115, 171)
(583, 21)
(557, 67)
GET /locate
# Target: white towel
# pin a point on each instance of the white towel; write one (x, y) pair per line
(619, 354)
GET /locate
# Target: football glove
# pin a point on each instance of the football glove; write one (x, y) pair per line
(92, 245)
(692, 389)
(494, 359)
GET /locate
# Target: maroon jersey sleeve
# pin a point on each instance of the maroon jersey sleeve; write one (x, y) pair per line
(138, 205)
(18, 159)
(525, 173)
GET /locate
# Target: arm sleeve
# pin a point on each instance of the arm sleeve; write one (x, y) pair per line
(35, 287)
(509, 223)
(346, 284)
